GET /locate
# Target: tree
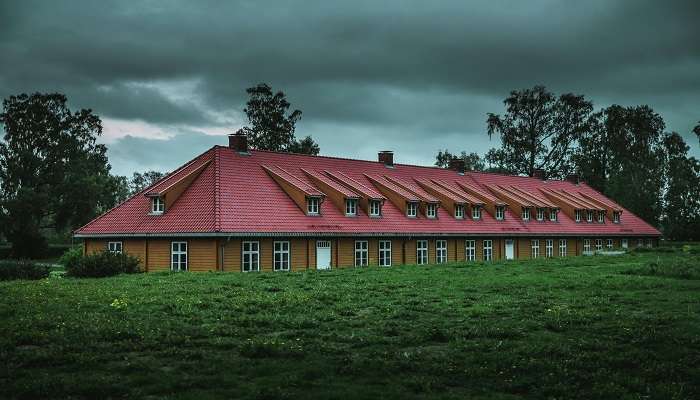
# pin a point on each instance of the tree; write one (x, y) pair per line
(140, 181)
(622, 156)
(54, 175)
(472, 161)
(270, 126)
(681, 219)
(696, 130)
(538, 131)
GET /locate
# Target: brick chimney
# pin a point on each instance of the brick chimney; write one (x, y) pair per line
(538, 173)
(387, 158)
(457, 164)
(238, 141)
(573, 178)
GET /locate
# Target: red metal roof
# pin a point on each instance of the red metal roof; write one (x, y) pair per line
(234, 195)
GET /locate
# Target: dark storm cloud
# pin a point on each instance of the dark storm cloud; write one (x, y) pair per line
(414, 76)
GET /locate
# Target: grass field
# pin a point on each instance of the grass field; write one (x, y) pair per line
(623, 327)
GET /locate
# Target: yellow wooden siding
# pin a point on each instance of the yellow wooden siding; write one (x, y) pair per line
(202, 254)
(158, 255)
(95, 246)
(136, 248)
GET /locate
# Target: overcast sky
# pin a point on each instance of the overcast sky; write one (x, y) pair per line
(168, 79)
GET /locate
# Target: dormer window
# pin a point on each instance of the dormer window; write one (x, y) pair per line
(540, 214)
(553, 214)
(589, 216)
(375, 208)
(431, 210)
(526, 214)
(601, 217)
(411, 209)
(578, 215)
(616, 217)
(476, 212)
(157, 205)
(459, 211)
(500, 213)
(350, 207)
(312, 205)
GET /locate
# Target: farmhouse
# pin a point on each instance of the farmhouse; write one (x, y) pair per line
(237, 209)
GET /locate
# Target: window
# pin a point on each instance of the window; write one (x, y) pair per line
(441, 251)
(599, 244)
(640, 242)
(549, 248)
(431, 210)
(157, 205)
(281, 255)
(178, 256)
(459, 211)
(601, 217)
(411, 209)
(361, 253)
(488, 250)
(500, 213)
(385, 253)
(526, 214)
(589, 216)
(578, 215)
(470, 250)
(650, 243)
(623, 243)
(616, 217)
(562, 247)
(350, 207)
(476, 212)
(609, 244)
(553, 214)
(375, 208)
(312, 205)
(540, 214)
(422, 252)
(114, 247)
(586, 245)
(535, 248)
(251, 256)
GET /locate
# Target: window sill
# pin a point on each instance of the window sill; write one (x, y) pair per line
(156, 213)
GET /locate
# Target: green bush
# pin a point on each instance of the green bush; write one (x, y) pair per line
(71, 256)
(22, 269)
(102, 264)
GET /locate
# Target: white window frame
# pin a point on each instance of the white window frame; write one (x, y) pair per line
(421, 252)
(616, 217)
(553, 215)
(599, 244)
(601, 217)
(476, 212)
(500, 213)
(587, 245)
(540, 214)
(431, 210)
(157, 205)
(589, 215)
(535, 248)
(624, 243)
(313, 206)
(361, 253)
(562, 247)
(459, 211)
(350, 207)
(385, 253)
(375, 208)
(525, 215)
(411, 209)
(549, 248)
(650, 243)
(640, 242)
(577, 215)
(176, 263)
(281, 257)
(488, 250)
(470, 250)
(609, 244)
(116, 246)
(250, 258)
(440, 251)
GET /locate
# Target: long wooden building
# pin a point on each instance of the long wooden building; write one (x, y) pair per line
(237, 209)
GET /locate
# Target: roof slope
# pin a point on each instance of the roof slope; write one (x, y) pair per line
(234, 194)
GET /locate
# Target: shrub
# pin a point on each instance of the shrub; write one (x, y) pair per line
(102, 264)
(22, 269)
(71, 256)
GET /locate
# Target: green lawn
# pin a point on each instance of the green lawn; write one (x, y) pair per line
(623, 327)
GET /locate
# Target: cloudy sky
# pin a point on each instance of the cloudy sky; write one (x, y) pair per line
(168, 78)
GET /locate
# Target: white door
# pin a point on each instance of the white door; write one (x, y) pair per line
(510, 249)
(323, 254)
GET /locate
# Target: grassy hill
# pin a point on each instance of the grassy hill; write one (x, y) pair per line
(586, 327)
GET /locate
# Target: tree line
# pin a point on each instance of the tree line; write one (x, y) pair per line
(623, 152)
